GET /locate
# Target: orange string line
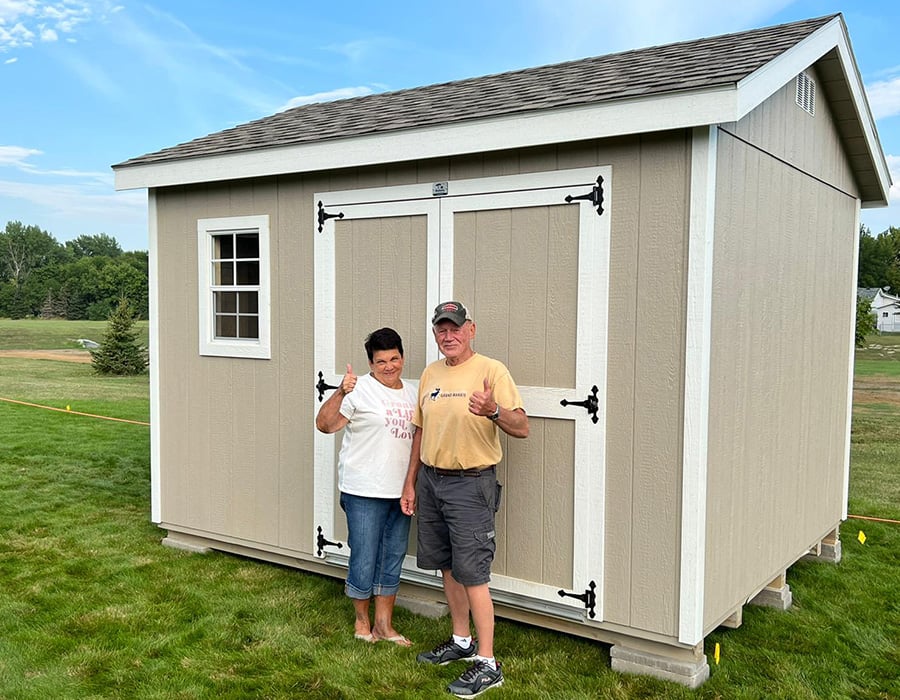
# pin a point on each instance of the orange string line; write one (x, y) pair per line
(877, 520)
(77, 413)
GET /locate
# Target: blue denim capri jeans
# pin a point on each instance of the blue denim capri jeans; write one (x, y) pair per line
(378, 535)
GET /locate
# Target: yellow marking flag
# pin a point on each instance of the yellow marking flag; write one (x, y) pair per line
(861, 537)
(716, 656)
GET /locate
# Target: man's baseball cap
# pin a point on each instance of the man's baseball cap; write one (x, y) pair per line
(451, 311)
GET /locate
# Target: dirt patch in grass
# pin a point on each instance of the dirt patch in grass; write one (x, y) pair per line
(83, 356)
(868, 390)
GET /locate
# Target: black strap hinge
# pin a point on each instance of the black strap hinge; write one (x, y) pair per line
(323, 216)
(322, 387)
(590, 403)
(321, 542)
(595, 196)
(589, 598)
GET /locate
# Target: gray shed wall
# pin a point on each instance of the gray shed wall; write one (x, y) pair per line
(786, 216)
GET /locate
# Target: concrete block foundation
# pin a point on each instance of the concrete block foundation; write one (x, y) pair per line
(689, 672)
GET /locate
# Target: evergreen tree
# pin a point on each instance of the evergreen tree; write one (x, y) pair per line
(865, 321)
(119, 351)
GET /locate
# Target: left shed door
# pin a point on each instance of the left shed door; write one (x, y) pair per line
(372, 270)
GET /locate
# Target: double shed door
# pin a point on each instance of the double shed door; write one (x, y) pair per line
(533, 269)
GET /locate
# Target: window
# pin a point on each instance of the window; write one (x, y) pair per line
(233, 255)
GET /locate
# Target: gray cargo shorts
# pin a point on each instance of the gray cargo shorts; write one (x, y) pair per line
(455, 516)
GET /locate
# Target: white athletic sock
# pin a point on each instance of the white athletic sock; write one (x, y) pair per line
(492, 662)
(464, 642)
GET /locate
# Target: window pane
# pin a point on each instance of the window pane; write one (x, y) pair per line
(226, 326)
(249, 326)
(249, 302)
(226, 302)
(247, 245)
(248, 273)
(223, 246)
(223, 273)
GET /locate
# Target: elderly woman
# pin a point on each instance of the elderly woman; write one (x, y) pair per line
(375, 411)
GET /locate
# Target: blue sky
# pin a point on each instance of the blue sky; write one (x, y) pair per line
(90, 83)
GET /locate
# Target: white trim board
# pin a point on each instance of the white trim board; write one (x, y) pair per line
(155, 438)
(698, 342)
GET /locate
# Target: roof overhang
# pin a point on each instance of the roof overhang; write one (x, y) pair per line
(686, 109)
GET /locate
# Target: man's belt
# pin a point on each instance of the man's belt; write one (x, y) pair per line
(475, 471)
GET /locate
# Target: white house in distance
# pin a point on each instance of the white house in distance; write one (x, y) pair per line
(885, 307)
(626, 229)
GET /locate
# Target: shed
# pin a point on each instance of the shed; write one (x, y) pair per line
(627, 230)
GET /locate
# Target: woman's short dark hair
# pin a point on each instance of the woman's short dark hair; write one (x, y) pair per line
(383, 339)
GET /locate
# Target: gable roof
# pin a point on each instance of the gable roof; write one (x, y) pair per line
(692, 83)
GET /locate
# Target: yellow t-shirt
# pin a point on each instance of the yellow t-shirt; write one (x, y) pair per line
(452, 437)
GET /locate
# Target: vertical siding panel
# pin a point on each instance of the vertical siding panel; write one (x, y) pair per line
(265, 476)
(528, 285)
(177, 384)
(291, 244)
(658, 385)
(622, 355)
(560, 340)
(558, 486)
(492, 259)
(466, 168)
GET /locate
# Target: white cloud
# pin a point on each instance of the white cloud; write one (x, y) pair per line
(16, 37)
(10, 60)
(21, 21)
(338, 94)
(884, 97)
(893, 163)
(16, 156)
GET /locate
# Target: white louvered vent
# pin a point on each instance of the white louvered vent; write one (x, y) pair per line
(806, 93)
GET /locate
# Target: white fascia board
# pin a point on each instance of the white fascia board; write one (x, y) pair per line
(640, 115)
(757, 87)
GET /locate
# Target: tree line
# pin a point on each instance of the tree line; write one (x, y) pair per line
(84, 278)
(879, 259)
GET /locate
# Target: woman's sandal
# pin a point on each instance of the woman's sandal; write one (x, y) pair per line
(399, 640)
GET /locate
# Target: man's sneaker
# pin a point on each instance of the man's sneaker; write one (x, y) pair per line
(478, 678)
(445, 652)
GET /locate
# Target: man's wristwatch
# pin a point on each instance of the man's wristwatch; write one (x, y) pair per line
(496, 414)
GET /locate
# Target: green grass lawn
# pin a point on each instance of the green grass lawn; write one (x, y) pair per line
(40, 334)
(91, 606)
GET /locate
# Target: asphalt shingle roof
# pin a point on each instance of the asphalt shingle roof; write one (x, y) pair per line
(703, 63)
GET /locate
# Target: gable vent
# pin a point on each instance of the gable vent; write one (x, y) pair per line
(806, 93)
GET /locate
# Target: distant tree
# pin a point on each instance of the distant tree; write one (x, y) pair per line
(879, 258)
(24, 249)
(100, 244)
(865, 320)
(119, 351)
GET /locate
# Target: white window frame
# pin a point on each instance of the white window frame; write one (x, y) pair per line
(258, 348)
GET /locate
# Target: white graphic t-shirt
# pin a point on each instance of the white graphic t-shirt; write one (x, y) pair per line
(375, 449)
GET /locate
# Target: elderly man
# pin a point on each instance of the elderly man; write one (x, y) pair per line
(464, 401)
